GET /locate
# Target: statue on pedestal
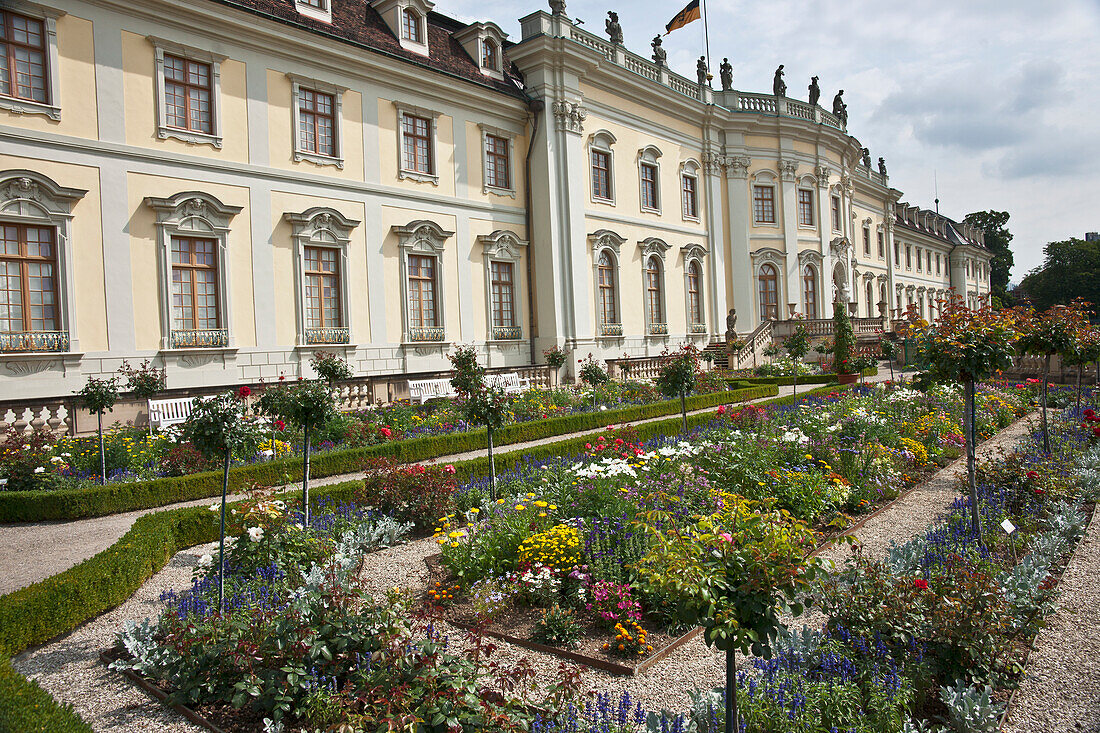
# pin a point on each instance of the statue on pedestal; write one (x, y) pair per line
(614, 30)
(815, 91)
(660, 55)
(866, 153)
(840, 109)
(725, 72)
(702, 72)
(557, 7)
(731, 325)
(779, 87)
(882, 167)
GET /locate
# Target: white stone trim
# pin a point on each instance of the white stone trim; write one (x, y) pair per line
(34, 199)
(778, 260)
(690, 169)
(510, 137)
(769, 179)
(503, 246)
(52, 106)
(320, 226)
(603, 141)
(403, 170)
(162, 46)
(297, 84)
(650, 155)
(192, 214)
(428, 238)
(696, 254)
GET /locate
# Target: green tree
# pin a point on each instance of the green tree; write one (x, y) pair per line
(677, 376)
(1054, 331)
(1070, 270)
(307, 404)
(997, 240)
(845, 339)
(797, 346)
(99, 396)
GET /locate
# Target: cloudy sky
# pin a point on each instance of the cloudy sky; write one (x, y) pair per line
(998, 100)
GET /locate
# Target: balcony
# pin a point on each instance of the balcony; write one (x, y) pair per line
(658, 329)
(611, 329)
(32, 341)
(698, 328)
(212, 338)
(435, 333)
(507, 333)
(328, 335)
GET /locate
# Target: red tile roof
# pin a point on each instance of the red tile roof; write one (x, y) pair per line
(356, 22)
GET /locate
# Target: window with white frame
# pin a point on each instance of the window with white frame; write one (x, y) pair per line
(837, 223)
(897, 255)
(928, 261)
(417, 133)
(694, 293)
(188, 82)
(768, 288)
(315, 9)
(649, 179)
(37, 310)
(29, 70)
(502, 252)
(867, 241)
(881, 246)
(193, 239)
(422, 246)
(938, 267)
(763, 204)
(321, 237)
(490, 55)
(918, 254)
(496, 148)
(805, 207)
(412, 26)
(653, 284)
(908, 257)
(318, 123)
(689, 190)
(601, 160)
(809, 291)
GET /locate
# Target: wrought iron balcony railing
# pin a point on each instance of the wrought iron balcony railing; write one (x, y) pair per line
(611, 329)
(30, 341)
(435, 333)
(698, 328)
(507, 333)
(328, 335)
(202, 338)
(658, 329)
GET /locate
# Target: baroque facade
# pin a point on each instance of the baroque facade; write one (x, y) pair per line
(227, 186)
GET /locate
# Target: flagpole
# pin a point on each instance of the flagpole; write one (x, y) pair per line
(706, 33)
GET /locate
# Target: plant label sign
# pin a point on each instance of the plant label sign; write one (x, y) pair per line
(1008, 527)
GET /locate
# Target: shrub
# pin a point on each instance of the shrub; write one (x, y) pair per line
(558, 627)
(184, 459)
(412, 493)
(27, 708)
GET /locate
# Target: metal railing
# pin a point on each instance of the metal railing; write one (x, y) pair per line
(507, 333)
(31, 341)
(328, 335)
(611, 329)
(434, 333)
(204, 338)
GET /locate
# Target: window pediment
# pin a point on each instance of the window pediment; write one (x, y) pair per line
(30, 195)
(606, 239)
(422, 236)
(484, 42)
(502, 245)
(693, 251)
(321, 224)
(653, 246)
(193, 211)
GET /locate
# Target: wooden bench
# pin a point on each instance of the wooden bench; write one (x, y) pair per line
(422, 390)
(164, 413)
(511, 382)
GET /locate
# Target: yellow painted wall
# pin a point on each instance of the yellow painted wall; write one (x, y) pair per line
(803, 147)
(280, 123)
(475, 165)
(139, 66)
(388, 152)
(285, 281)
(643, 113)
(765, 142)
(86, 249)
(76, 79)
(143, 254)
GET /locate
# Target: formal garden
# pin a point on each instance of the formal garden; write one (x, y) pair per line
(610, 551)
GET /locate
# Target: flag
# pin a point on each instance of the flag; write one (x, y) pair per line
(685, 16)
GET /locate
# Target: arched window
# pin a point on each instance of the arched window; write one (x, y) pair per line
(654, 307)
(410, 26)
(769, 293)
(809, 291)
(870, 299)
(608, 299)
(695, 310)
(489, 55)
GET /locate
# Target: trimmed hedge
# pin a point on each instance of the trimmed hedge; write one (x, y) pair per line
(27, 708)
(98, 501)
(808, 379)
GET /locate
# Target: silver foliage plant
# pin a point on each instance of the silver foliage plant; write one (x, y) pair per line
(971, 709)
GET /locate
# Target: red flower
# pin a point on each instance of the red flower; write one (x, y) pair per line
(1096, 431)
(1040, 492)
(280, 425)
(721, 409)
(921, 583)
(385, 432)
(588, 446)
(1032, 475)
(244, 391)
(1033, 381)
(449, 469)
(1089, 412)
(282, 377)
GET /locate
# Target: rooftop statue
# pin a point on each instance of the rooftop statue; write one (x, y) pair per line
(815, 91)
(614, 30)
(882, 167)
(557, 7)
(725, 73)
(840, 109)
(866, 157)
(702, 72)
(660, 56)
(779, 87)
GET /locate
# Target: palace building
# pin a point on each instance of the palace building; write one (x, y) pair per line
(227, 186)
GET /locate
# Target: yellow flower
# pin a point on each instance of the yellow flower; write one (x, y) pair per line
(475, 510)
(520, 507)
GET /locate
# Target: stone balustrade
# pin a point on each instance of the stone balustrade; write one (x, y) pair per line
(56, 416)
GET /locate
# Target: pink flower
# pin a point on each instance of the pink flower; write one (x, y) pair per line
(449, 469)
(726, 537)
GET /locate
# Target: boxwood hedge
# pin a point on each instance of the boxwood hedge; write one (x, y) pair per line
(97, 501)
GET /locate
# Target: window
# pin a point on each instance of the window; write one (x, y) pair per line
(870, 289)
(689, 193)
(897, 255)
(938, 263)
(498, 167)
(928, 261)
(606, 267)
(805, 207)
(695, 310)
(316, 122)
(422, 310)
(489, 56)
(654, 309)
(867, 241)
(809, 291)
(649, 187)
(315, 9)
(769, 293)
(502, 297)
(908, 257)
(319, 4)
(968, 268)
(918, 259)
(601, 175)
(24, 74)
(410, 26)
(417, 137)
(322, 285)
(187, 95)
(194, 284)
(836, 214)
(28, 280)
(881, 246)
(763, 204)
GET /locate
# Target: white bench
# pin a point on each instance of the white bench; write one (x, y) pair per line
(511, 382)
(163, 413)
(422, 390)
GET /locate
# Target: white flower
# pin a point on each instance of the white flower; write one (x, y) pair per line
(3, 482)
(215, 507)
(67, 455)
(40, 470)
(206, 560)
(56, 459)
(255, 533)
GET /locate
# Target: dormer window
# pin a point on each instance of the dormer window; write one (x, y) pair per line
(490, 59)
(315, 9)
(410, 26)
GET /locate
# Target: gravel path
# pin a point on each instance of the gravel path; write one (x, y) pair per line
(1060, 690)
(57, 546)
